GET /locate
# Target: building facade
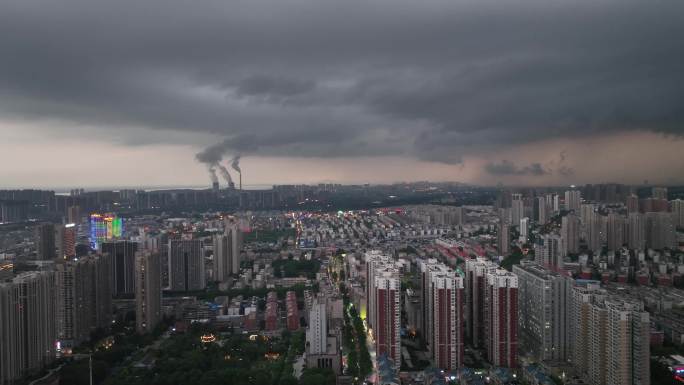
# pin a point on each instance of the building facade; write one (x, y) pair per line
(475, 290)
(543, 317)
(227, 247)
(28, 330)
(387, 293)
(501, 318)
(447, 292)
(570, 234)
(186, 265)
(84, 299)
(148, 291)
(122, 269)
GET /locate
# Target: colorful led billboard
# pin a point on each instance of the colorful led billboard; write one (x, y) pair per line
(104, 227)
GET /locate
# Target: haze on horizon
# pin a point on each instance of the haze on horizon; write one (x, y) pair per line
(153, 93)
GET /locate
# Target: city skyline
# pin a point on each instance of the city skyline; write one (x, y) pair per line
(351, 192)
(540, 94)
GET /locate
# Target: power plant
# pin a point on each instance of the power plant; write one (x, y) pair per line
(223, 170)
(235, 164)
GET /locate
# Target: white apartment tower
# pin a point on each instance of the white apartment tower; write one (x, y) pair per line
(375, 259)
(524, 229)
(227, 248)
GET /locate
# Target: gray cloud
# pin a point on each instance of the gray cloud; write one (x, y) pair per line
(434, 80)
(554, 166)
(506, 167)
(273, 87)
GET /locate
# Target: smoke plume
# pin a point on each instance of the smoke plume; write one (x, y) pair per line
(235, 163)
(212, 174)
(225, 173)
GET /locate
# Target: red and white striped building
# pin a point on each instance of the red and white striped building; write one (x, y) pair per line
(292, 311)
(374, 261)
(446, 308)
(501, 318)
(387, 313)
(475, 284)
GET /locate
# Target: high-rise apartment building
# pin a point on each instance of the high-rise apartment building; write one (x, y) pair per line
(27, 327)
(582, 300)
(541, 210)
(593, 224)
(322, 349)
(570, 234)
(650, 205)
(524, 230)
(548, 251)
(271, 314)
(83, 298)
(107, 227)
(677, 206)
(659, 193)
(227, 248)
(660, 230)
(65, 240)
(611, 338)
(186, 265)
(427, 268)
(45, 241)
(11, 334)
(632, 203)
(374, 260)
(122, 269)
(572, 200)
(586, 212)
(628, 340)
(446, 307)
(292, 311)
(517, 209)
(475, 290)
(387, 318)
(148, 289)
(158, 243)
(501, 318)
(555, 203)
(503, 239)
(503, 199)
(615, 231)
(636, 231)
(74, 214)
(543, 316)
(317, 332)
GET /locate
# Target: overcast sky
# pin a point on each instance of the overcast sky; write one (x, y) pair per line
(527, 92)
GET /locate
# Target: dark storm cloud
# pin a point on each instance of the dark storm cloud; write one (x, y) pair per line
(554, 166)
(506, 167)
(275, 87)
(432, 79)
